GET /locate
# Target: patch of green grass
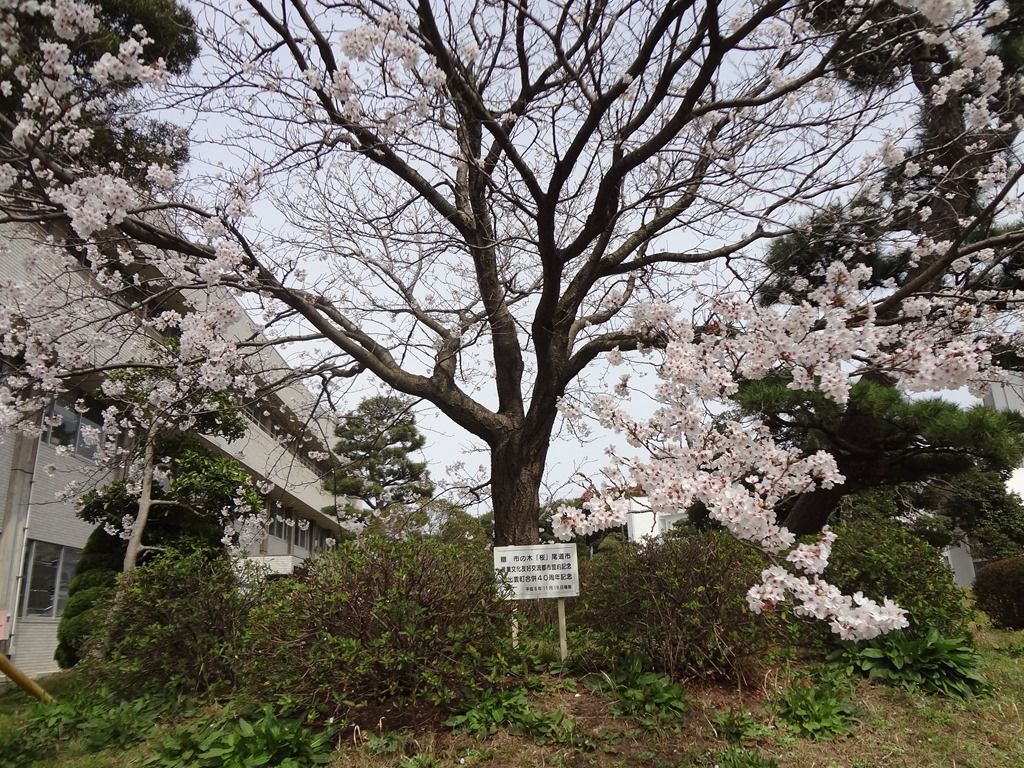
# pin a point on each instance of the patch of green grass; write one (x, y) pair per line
(908, 729)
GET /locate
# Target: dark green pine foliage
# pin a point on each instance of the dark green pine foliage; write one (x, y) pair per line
(375, 441)
(201, 483)
(888, 53)
(882, 439)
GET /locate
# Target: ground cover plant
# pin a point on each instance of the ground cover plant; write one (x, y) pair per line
(234, 740)
(509, 710)
(652, 699)
(947, 666)
(92, 719)
(819, 711)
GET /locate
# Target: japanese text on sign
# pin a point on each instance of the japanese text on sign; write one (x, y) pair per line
(538, 571)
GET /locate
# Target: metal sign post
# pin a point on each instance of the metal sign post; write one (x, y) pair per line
(537, 572)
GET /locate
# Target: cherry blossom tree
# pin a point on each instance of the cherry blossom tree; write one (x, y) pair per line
(476, 202)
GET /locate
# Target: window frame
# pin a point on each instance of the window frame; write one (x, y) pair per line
(57, 604)
(302, 536)
(281, 525)
(76, 445)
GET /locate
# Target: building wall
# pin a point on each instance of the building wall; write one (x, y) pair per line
(52, 520)
(36, 641)
(6, 457)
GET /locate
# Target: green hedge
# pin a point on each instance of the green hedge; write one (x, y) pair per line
(679, 605)
(379, 622)
(884, 559)
(999, 590)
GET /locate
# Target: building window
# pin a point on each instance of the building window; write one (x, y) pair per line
(302, 534)
(80, 432)
(49, 569)
(317, 537)
(278, 527)
(666, 521)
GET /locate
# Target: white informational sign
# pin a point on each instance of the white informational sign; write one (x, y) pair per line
(539, 571)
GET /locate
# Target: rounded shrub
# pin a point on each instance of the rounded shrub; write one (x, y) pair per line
(379, 623)
(103, 558)
(83, 615)
(88, 592)
(999, 591)
(680, 605)
(884, 559)
(176, 622)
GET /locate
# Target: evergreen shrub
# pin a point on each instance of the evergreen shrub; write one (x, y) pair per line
(378, 624)
(884, 559)
(999, 591)
(90, 593)
(177, 623)
(103, 558)
(680, 605)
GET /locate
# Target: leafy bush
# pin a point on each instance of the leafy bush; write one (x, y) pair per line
(22, 747)
(737, 757)
(815, 712)
(737, 725)
(884, 559)
(375, 621)
(651, 698)
(999, 591)
(237, 742)
(177, 623)
(934, 664)
(509, 710)
(168, 527)
(680, 604)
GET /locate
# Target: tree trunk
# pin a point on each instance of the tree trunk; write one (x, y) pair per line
(811, 511)
(131, 555)
(516, 472)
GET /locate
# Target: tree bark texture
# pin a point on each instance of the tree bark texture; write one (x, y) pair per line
(517, 468)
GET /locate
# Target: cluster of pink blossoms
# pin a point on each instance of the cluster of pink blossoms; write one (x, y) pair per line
(733, 466)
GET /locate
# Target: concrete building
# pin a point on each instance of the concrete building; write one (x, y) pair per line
(41, 538)
(1009, 397)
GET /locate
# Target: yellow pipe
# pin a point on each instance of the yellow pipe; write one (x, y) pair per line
(30, 686)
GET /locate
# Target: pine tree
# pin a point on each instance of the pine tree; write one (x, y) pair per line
(880, 438)
(375, 441)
